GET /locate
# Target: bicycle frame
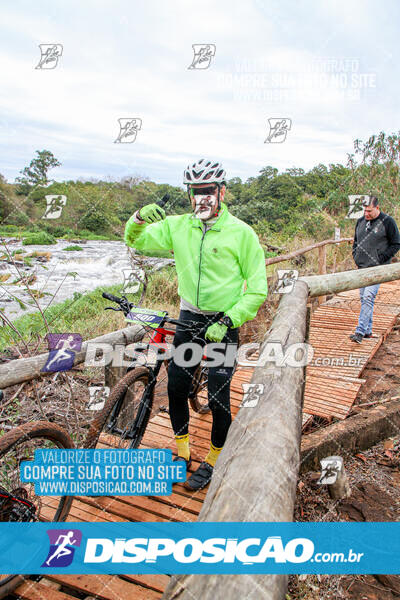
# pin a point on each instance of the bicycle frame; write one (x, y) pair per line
(157, 341)
(18, 508)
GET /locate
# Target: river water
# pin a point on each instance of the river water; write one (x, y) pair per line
(99, 263)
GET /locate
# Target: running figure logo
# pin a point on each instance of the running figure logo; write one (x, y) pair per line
(54, 207)
(63, 543)
(132, 280)
(356, 207)
(203, 53)
(278, 129)
(98, 396)
(331, 467)
(62, 348)
(252, 392)
(286, 280)
(50, 55)
(128, 129)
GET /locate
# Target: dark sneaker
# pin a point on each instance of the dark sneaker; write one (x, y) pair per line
(368, 335)
(356, 337)
(188, 462)
(200, 478)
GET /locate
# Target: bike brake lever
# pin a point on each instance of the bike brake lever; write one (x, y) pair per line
(112, 308)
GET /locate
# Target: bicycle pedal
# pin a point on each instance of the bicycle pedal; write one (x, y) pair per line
(164, 409)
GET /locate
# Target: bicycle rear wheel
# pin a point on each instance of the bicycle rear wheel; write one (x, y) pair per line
(124, 405)
(198, 395)
(16, 446)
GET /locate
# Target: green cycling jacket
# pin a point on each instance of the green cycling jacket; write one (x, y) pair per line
(211, 266)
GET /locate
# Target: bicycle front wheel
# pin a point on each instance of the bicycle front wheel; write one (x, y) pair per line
(16, 446)
(126, 405)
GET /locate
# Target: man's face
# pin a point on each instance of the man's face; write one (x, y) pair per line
(204, 200)
(371, 212)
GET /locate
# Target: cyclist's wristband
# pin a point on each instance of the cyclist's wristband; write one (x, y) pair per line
(225, 320)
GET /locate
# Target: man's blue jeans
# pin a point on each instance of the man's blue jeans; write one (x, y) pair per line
(367, 297)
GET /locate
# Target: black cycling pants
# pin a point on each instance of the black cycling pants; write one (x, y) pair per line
(219, 378)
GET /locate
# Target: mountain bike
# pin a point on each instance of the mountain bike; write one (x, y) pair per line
(127, 410)
(18, 501)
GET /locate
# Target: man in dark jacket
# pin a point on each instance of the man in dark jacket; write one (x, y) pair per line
(376, 241)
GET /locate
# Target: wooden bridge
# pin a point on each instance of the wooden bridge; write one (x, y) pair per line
(333, 380)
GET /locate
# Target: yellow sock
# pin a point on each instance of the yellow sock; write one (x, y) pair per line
(213, 454)
(182, 442)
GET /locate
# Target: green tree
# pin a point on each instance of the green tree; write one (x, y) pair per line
(381, 155)
(37, 172)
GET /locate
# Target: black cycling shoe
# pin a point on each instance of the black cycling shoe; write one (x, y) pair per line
(188, 462)
(200, 478)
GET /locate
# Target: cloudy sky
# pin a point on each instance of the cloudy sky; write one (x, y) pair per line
(330, 67)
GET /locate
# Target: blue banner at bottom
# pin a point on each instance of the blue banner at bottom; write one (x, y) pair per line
(199, 547)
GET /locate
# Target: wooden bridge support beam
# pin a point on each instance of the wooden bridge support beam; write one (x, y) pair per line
(322, 267)
(256, 474)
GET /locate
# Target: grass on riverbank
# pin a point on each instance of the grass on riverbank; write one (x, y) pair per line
(13, 231)
(39, 238)
(85, 314)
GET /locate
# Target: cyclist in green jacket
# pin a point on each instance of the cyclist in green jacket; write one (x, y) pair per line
(215, 253)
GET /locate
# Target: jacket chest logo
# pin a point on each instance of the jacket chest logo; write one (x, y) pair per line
(372, 230)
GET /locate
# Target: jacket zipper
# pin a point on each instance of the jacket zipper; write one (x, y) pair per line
(198, 283)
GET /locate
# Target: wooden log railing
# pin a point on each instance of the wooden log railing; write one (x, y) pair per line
(25, 369)
(333, 283)
(321, 246)
(282, 257)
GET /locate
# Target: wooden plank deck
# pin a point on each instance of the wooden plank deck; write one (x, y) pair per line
(333, 379)
(330, 390)
(181, 505)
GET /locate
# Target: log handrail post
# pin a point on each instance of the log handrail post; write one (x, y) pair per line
(255, 477)
(333, 283)
(322, 267)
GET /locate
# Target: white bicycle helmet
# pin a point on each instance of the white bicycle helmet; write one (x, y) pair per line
(204, 171)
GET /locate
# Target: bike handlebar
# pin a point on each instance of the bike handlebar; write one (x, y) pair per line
(111, 297)
(124, 307)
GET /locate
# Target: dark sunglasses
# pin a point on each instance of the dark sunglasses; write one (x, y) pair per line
(206, 191)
